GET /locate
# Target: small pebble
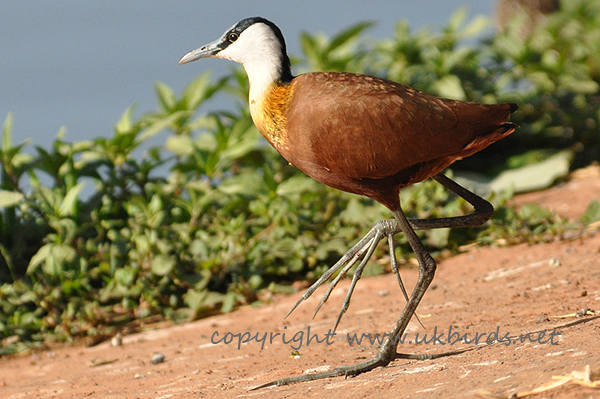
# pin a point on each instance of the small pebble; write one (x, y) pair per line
(585, 312)
(157, 358)
(117, 340)
(554, 263)
(138, 376)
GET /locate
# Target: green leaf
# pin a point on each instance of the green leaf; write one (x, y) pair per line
(592, 213)
(229, 301)
(242, 147)
(476, 26)
(534, 213)
(249, 184)
(68, 205)
(162, 265)
(297, 184)
(527, 178)
(355, 212)
(6, 131)
(38, 258)
(155, 204)
(206, 142)
(203, 300)
(450, 87)
(126, 276)
(457, 19)
(180, 145)
(60, 135)
(580, 86)
(9, 198)
(160, 125)
(348, 34)
(534, 177)
(166, 97)
(438, 237)
(194, 299)
(197, 91)
(124, 124)
(309, 46)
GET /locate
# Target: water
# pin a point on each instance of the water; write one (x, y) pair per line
(81, 64)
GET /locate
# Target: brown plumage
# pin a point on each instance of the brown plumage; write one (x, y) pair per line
(367, 136)
(372, 136)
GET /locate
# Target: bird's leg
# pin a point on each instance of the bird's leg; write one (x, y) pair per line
(483, 209)
(388, 228)
(387, 352)
(427, 268)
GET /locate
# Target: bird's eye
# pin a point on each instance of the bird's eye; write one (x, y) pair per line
(232, 37)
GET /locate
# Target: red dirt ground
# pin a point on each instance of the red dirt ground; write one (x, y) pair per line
(486, 290)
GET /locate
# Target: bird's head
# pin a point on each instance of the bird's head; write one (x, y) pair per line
(256, 43)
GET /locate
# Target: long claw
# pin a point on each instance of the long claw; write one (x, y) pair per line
(357, 275)
(337, 279)
(394, 265)
(396, 271)
(315, 285)
(348, 256)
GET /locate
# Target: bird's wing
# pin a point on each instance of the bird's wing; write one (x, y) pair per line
(363, 127)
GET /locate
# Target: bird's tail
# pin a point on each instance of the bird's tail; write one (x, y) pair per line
(481, 142)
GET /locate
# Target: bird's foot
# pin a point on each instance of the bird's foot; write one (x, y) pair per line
(382, 359)
(363, 249)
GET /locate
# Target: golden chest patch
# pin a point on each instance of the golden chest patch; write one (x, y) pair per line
(269, 112)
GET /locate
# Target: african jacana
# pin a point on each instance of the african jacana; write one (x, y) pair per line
(363, 135)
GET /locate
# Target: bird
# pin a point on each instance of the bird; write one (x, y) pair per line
(367, 136)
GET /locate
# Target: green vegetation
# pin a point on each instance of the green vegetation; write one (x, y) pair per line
(99, 233)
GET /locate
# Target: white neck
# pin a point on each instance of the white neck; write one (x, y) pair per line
(260, 52)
